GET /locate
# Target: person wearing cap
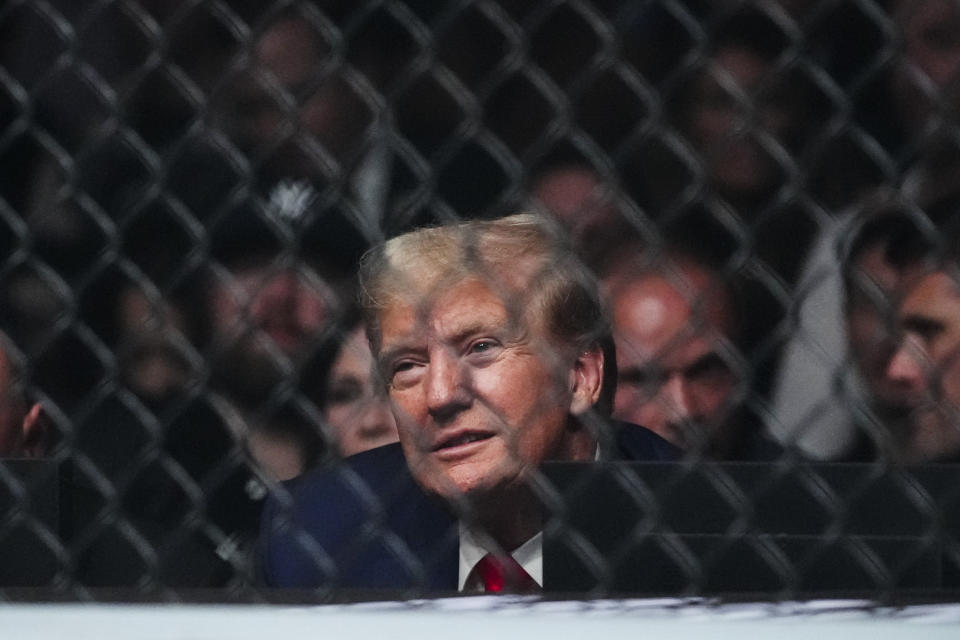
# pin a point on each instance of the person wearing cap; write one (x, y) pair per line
(283, 278)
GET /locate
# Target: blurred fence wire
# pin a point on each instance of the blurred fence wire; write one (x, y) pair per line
(186, 188)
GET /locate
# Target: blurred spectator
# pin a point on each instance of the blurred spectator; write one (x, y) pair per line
(871, 282)
(153, 447)
(744, 109)
(289, 271)
(834, 364)
(901, 72)
(908, 104)
(283, 440)
(732, 124)
(305, 109)
(569, 188)
(29, 490)
(286, 303)
(355, 404)
(331, 122)
(924, 368)
(23, 431)
(925, 81)
(156, 338)
(835, 396)
(676, 325)
(181, 502)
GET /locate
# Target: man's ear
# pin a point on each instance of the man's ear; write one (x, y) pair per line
(35, 433)
(586, 380)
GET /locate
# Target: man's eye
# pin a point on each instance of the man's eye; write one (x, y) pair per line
(649, 378)
(401, 367)
(710, 367)
(482, 346)
(404, 373)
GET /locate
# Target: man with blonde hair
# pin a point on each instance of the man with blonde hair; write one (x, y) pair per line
(497, 357)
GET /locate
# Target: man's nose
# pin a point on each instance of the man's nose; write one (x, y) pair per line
(907, 365)
(677, 398)
(445, 385)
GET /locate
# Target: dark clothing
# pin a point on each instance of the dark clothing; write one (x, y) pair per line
(186, 507)
(366, 524)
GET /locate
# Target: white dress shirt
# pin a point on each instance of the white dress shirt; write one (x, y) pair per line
(529, 555)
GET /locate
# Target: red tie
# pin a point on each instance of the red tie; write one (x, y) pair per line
(501, 574)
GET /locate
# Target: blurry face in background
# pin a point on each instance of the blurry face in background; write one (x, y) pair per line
(577, 198)
(278, 454)
(268, 310)
(673, 376)
(931, 38)
(870, 309)
(355, 403)
(719, 123)
(927, 364)
(292, 55)
(153, 364)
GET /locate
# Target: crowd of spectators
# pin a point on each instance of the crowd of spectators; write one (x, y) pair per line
(764, 190)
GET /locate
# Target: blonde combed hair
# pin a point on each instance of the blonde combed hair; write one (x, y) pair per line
(526, 254)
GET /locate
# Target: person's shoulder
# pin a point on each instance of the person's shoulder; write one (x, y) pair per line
(639, 443)
(370, 470)
(309, 521)
(386, 459)
(354, 523)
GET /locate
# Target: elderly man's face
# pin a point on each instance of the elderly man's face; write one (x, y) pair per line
(481, 396)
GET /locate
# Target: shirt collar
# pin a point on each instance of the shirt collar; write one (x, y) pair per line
(529, 555)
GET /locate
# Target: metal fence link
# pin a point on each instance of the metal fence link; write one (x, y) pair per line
(186, 189)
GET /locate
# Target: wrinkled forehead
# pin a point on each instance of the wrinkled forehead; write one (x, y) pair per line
(418, 270)
(451, 304)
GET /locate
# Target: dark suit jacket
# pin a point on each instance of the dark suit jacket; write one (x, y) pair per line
(365, 524)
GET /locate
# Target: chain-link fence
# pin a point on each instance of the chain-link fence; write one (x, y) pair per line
(763, 191)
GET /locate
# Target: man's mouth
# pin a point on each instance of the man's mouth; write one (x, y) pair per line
(461, 440)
